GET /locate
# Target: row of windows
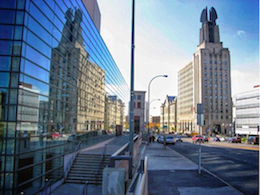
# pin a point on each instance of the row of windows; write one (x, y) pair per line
(215, 68)
(215, 62)
(220, 74)
(216, 79)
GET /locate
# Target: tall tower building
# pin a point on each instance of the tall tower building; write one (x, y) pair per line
(211, 79)
(212, 83)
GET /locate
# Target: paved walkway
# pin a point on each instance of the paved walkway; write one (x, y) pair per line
(76, 189)
(170, 173)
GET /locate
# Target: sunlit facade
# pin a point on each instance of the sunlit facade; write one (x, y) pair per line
(247, 106)
(168, 117)
(55, 73)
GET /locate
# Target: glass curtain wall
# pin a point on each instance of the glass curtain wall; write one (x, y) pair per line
(57, 82)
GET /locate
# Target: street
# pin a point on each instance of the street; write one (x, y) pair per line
(237, 167)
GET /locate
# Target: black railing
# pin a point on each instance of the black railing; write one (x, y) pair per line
(46, 187)
(101, 160)
(85, 189)
(72, 159)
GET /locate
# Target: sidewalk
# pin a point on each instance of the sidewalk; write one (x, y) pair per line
(112, 146)
(170, 173)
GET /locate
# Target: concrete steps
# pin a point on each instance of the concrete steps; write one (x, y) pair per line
(84, 169)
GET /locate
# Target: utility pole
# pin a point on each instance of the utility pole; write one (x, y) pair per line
(200, 122)
(132, 89)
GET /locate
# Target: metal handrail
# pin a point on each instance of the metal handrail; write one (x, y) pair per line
(45, 189)
(101, 159)
(73, 158)
(141, 184)
(85, 189)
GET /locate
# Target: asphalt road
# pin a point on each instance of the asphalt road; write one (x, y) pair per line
(238, 167)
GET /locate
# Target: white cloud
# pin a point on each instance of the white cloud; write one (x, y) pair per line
(243, 81)
(241, 33)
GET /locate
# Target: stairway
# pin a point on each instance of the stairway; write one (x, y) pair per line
(85, 167)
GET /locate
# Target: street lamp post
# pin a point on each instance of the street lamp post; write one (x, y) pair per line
(148, 114)
(131, 113)
(149, 107)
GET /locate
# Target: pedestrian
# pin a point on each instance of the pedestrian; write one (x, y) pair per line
(153, 138)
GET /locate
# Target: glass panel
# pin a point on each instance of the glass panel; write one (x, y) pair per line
(13, 96)
(19, 17)
(4, 81)
(32, 69)
(5, 63)
(37, 58)
(18, 32)
(12, 113)
(6, 47)
(3, 129)
(20, 4)
(16, 64)
(17, 48)
(6, 16)
(3, 96)
(6, 32)
(34, 85)
(10, 163)
(10, 146)
(14, 79)
(3, 112)
(8, 4)
(39, 44)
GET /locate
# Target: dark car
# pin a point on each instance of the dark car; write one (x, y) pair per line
(216, 139)
(234, 140)
(253, 140)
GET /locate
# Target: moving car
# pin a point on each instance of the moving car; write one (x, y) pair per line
(197, 138)
(234, 140)
(253, 139)
(178, 139)
(169, 139)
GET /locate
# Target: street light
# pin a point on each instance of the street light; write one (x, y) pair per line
(149, 107)
(149, 98)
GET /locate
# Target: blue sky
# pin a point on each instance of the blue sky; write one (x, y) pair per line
(167, 35)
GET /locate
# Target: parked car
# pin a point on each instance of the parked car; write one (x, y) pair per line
(253, 139)
(205, 139)
(234, 140)
(222, 139)
(178, 139)
(55, 135)
(216, 139)
(197, 138)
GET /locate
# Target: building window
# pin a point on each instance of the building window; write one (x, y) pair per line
(139, 105)
(205, 73)
(205, 61)
(219, 62)
(225, 62)
(139, 97)
(205, 78)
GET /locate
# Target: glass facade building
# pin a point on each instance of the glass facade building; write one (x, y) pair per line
(56, 75)
(247, 107)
